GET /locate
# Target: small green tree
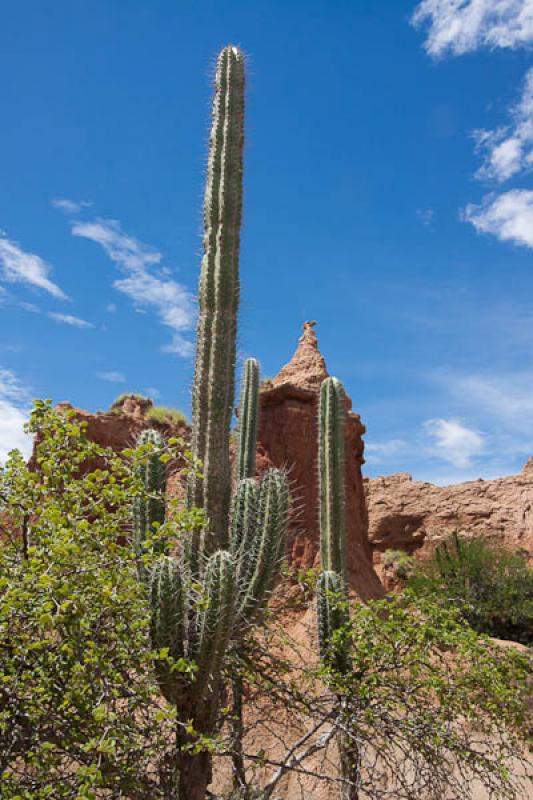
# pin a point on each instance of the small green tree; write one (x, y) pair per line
(80, 710)
(492, 586)
(427, 707)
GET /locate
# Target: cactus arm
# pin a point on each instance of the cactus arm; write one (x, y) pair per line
(271, 529)
(215, 621)
(332, 615)
(168, 623)
(332, 476)
(213, 389)
(248, 418)
(149, 508)
(244, 512)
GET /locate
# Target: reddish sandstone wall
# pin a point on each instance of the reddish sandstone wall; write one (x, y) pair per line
(288, 435)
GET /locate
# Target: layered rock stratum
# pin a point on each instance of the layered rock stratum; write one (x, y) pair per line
(415, 516)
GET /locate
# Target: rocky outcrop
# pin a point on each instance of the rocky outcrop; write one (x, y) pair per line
(415, 516)
(288, 436)
(120, 427)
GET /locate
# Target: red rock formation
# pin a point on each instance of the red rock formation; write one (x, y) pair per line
(288, 436)
(415, 516)
(120, 427)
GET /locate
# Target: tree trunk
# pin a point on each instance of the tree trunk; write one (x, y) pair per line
(189, 773)
(194, 775)
(350, 767)
(237, 757)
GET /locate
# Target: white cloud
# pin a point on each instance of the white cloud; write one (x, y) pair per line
(19, 266)
(509, 216)
(453, 441)
(179, 346)
(152, 392)
(462, 26)
(509, 149)
(112, 377)
(507, 398)
(31, 307)
(70, 206)
(378, 452)
(503, 404)
(69, 319)
(171, 300)
(425, 215)
(14, 413)
(111, 308)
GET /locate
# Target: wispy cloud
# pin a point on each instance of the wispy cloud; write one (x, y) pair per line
(14, 412)
(69, 319)
(30, 307)
(20, 266)
(509, 216)
(425, 215)
(507, 398)
(142, 284)
(380, 452)
(500, 402)
(112, 377)
(509, 149)
(152, 392)
(461, 26)
(454, 441)
(70, 206)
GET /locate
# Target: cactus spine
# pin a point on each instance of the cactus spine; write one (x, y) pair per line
(204, 599)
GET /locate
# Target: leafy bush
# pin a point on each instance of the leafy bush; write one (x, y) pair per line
(81, 715)
(492, 586)
(164, 414)
(400, 562)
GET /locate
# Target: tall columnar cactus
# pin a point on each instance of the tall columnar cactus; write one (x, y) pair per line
(332, 476)
(218, 300)
(204, 598)
(248, 410)
(332, 584)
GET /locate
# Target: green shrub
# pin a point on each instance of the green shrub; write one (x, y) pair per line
(492, 586)
(164, 414)
(400, 562)
(81, 715)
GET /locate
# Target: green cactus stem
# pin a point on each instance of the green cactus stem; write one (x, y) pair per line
(244, 512)
(218, 300)
(215, 622)
(262, 563)
(149, 507)
(332, 615)
(248, 419)
(168, 623)
(332, 476)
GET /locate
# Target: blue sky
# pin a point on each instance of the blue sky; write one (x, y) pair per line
(388, 195)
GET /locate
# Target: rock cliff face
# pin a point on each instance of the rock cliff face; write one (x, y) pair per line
(288, 436)
(119, 428)
(415, 516)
